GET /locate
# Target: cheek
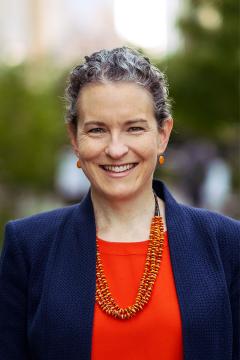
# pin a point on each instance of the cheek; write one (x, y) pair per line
(148, 148)
(88, 148)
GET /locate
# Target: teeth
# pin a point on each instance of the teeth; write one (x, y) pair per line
(119, 168)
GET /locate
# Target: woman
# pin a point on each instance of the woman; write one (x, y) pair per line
(128, 273)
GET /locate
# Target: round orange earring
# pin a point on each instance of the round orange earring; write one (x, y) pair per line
(79, 164)
(161, 160)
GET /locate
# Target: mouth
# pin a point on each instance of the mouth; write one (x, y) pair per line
(118, 168)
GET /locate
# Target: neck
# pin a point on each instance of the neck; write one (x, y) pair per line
(124, 220)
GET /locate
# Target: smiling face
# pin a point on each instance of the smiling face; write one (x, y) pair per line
(117, 139)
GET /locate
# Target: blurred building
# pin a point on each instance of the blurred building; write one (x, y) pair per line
(64, 30)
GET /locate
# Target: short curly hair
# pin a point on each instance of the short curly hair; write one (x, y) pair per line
(119, 64)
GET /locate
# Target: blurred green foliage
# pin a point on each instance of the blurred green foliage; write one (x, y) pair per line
(31, 131)
(204, 79)
(204, 75)
(31, 126)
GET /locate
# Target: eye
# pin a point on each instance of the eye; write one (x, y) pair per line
(96, 130)
(135, 129)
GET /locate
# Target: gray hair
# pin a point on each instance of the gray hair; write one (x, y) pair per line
(119, 64)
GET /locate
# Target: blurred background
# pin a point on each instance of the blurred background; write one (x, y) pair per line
(196, 43)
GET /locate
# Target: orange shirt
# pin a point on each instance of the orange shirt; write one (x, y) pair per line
(155, 332)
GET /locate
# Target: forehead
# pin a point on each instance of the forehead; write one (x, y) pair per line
(120, 99)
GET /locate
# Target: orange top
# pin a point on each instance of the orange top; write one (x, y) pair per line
(155, 332)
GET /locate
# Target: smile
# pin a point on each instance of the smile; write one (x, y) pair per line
(118, 168)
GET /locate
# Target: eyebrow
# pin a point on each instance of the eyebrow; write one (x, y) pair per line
(129, 122)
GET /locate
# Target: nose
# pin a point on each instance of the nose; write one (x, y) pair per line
(116, 148)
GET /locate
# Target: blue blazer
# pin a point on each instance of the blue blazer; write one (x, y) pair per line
(47, 282)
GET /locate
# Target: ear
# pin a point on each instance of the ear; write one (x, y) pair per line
(72, 133)
(164, 135)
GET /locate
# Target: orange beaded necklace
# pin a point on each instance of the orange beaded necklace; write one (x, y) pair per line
(154, 257)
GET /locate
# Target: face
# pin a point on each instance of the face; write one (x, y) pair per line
(118, 140)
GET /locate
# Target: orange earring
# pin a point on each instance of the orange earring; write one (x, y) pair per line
(79, 164)
(161, 160)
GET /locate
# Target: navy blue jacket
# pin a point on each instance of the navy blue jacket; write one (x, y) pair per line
(47, 282)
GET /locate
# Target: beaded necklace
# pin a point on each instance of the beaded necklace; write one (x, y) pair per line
(104, 297)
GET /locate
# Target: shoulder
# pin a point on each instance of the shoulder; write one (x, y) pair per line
(193, 217)
(44, 220)
(222, 231)
(216, 222)
(30, 235)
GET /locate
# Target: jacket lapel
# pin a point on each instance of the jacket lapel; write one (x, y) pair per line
(70, 287)
(85, 230)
